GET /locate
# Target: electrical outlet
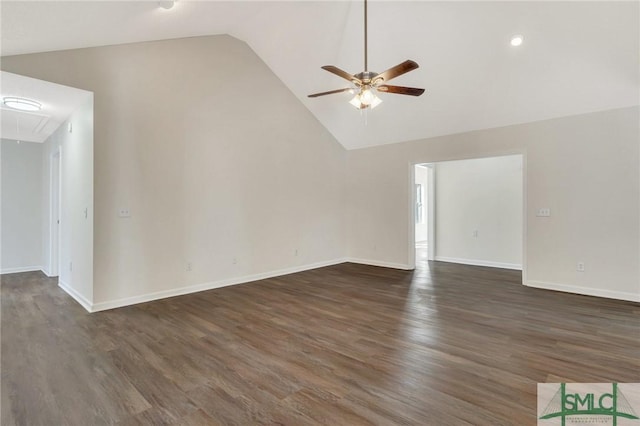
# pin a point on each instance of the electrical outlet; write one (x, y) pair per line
(475, 234)
(235, 261)
(295, 252)
(580, 267)
(124, 212)
(189, 267)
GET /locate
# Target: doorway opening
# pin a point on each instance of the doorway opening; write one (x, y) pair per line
(424, 218)
(468, 212)
(47, 184)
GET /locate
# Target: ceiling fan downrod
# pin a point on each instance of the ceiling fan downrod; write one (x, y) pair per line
(366, 65)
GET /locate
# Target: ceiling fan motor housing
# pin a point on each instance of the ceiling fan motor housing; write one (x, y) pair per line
(366, 77)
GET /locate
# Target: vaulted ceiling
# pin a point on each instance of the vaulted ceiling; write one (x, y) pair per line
(577, 57)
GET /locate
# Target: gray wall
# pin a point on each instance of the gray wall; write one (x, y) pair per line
(76, 228)
(478, 205)
(584, 168)
(220, 165)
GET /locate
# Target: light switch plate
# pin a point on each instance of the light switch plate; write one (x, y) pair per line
(544, 212)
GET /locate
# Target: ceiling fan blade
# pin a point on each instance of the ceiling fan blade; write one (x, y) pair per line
(396, 71)
(340, 73)
(330, 92)
(400, 90)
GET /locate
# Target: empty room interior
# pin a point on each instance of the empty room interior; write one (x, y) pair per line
(320, 212)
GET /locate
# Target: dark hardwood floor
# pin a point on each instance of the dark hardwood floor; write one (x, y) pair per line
(342, 345)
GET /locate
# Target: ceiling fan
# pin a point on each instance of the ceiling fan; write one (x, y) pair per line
(367, 83)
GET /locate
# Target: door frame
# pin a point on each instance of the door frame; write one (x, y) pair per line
(431, 211)
(55, 211)
(411, 258)
(429, 204)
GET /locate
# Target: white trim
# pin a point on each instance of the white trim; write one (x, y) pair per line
(380, 263)
(586, 291)
(523, 154)
(118, 303)
(431, 211)
(411, 250)
(524, 217)
(20, 269)
(77, 296)
(430, 202)
(476, 262)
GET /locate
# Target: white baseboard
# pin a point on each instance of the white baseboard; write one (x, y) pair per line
(77, 296)
(587, 291)
(475, 262)
(20, 269)
(127, 301)
(379, 263)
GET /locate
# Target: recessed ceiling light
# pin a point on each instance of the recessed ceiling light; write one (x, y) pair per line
(22, 104)
(517, 40)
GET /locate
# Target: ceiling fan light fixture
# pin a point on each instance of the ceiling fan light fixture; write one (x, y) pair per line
(356, 102)
(367, 95)
(375, 102)
(366, 98)
(166, 4)
(22, 104)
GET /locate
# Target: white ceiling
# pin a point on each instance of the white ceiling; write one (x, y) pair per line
(577, 57)
(58, 103)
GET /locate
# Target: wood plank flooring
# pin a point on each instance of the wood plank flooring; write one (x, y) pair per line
(344, 345)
